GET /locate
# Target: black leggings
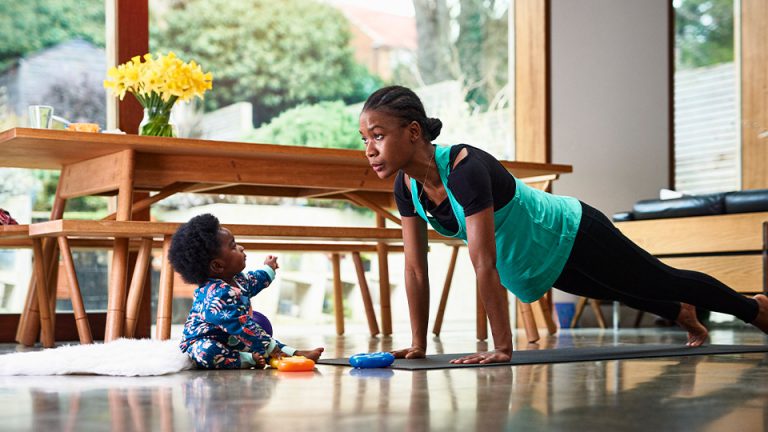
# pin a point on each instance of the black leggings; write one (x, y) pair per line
(606, 265)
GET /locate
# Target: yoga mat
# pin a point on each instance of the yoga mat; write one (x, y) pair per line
(566, 355)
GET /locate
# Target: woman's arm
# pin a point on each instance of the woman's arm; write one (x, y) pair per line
(481, 239)
(416, 285)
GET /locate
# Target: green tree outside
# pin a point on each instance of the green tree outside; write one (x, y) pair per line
(31, 25)
(704, 32)
(275, 55)
(325, 124)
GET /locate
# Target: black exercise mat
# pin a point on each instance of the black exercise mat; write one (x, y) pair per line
(566, 355)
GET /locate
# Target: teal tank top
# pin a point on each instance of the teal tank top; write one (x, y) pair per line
(535, 232)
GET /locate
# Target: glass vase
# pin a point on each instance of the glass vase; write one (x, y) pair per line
(157, 122)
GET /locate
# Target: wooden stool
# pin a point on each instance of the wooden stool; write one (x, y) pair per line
(595, 305)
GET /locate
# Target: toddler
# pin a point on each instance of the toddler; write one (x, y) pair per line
(220, 332)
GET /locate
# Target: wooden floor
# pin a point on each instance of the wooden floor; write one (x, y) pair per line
(703, 393)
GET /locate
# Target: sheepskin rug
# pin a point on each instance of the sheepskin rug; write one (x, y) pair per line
(122, 357)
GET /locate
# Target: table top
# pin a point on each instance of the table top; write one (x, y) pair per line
(288, 170)
(52, 149)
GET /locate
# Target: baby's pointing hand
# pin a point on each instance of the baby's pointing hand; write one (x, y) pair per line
(272, 262)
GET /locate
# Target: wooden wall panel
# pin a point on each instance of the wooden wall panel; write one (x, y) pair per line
(127, 36)
(754, 94)
(532, 95)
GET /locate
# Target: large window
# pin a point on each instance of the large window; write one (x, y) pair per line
(707, 120)
(51, 53)
(296, 71)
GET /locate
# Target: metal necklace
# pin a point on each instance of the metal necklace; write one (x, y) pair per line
(424, 182)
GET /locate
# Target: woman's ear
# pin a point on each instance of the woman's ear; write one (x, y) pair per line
(414, 130)
(216, 266)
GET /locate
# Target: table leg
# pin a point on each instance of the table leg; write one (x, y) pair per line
(119, 272)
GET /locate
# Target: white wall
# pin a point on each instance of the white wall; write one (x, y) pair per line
(610, 101)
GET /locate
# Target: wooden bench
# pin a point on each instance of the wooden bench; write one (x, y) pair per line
(732, 248)
(326, 239)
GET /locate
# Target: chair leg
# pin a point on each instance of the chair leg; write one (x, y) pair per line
(338, 294)
(46, 325)
(446, 288)
(81, 319)
(370, 313)
(529, 321)
(639, 318)
(595, 305)
(29, 322)
(579, 310)
(546, 311)
(136, 291)
(165, 295)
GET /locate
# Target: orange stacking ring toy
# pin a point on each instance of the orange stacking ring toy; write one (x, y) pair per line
(292, 364)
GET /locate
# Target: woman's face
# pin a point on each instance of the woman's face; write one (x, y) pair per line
(389, 143)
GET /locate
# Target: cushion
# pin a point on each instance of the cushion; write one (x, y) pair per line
(699, 205)
(754, 200)
(622, 217)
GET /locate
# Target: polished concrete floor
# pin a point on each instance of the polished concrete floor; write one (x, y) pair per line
(700, 393)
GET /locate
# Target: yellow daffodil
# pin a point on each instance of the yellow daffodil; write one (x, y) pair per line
(158, 82)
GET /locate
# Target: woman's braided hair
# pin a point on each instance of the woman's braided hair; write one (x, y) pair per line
(402, 102)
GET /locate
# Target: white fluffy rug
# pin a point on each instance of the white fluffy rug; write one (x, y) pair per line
(123, 357)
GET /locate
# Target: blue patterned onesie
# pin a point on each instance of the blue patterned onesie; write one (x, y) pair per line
(220, 326)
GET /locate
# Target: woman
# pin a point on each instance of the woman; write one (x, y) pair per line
(519, 238)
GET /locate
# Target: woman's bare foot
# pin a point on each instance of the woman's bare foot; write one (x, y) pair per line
(761, 321)
(697, 333)
(313, 354)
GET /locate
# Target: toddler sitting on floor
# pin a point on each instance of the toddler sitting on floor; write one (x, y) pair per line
(220, 331)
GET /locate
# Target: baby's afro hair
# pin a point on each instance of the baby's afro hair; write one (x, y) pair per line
(194, 245)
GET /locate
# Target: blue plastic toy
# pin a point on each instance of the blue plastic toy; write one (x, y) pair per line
(372, 360)
(263, 321)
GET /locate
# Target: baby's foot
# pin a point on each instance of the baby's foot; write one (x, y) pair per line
(697, 333)
(761, 321)
(259, 359)
(313, 354)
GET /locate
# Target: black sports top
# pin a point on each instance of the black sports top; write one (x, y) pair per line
(477, 182)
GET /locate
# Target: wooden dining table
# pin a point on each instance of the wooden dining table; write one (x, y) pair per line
(121, 165)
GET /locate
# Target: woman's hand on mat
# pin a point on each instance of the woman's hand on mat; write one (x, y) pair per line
(484, 358)
(409, 353)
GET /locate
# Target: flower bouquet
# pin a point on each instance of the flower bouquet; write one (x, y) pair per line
(157, 83)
